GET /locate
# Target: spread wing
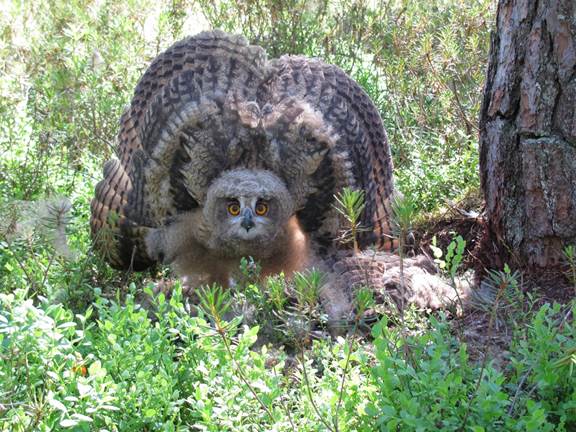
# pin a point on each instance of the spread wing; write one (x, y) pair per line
(182, 122)
(348, 132)
(213, 102)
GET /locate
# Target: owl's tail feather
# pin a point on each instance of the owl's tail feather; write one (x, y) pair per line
(119, 239)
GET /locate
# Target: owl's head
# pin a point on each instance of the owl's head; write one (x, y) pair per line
(247, 210)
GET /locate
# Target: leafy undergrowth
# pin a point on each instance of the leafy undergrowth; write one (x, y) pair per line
(116, 367)
(77, 351)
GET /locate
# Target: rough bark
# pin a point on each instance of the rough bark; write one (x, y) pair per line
(528, 133)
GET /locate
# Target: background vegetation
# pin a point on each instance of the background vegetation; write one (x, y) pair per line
(77, 352)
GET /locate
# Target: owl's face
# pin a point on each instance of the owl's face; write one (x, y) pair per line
(247, 211)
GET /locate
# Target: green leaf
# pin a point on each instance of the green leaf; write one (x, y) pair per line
(250, 336)
(82, 418)
(68, 423)
(57, 405)
(84, 389)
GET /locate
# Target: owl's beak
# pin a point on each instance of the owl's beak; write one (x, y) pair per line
(247, 219)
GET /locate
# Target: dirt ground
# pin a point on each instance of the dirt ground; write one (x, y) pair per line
(484, 334)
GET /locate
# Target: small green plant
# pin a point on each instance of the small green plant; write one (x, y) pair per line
(363, 301)
(250, 271)
(350, 204)
(276, 288)
(502, 288)
(453, 257)
(503, 282)
(403, 212)
(567, 359)
(570, 255)
(451, 261)
(215, 302)
(307, 288)
(248, 291)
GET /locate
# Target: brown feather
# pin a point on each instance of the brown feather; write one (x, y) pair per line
(213, 103)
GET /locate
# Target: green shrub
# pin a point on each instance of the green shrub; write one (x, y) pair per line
(125, 371)
(436, 385)
(69, 69)
(122, 370)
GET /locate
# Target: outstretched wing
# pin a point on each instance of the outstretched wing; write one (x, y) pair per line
(212, 103)
(348, 133)
(186, 110)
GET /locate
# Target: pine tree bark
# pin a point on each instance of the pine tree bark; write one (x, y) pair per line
(528, 133)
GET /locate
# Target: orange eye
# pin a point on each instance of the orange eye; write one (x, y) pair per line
(234, 208)
(261, 208)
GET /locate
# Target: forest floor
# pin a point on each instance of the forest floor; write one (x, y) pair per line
(487, 333)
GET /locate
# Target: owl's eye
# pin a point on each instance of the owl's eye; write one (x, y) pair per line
(261, 208)
(234, 208)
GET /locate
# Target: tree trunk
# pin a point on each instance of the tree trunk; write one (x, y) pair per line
(528, 133)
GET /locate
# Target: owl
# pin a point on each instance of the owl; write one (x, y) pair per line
(224, 153)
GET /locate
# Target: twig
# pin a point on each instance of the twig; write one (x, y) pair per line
(309, 392)
(344, 372)
(47, 269)
(501, 290)
(517, 394)
(285, 407)
(221, 331)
